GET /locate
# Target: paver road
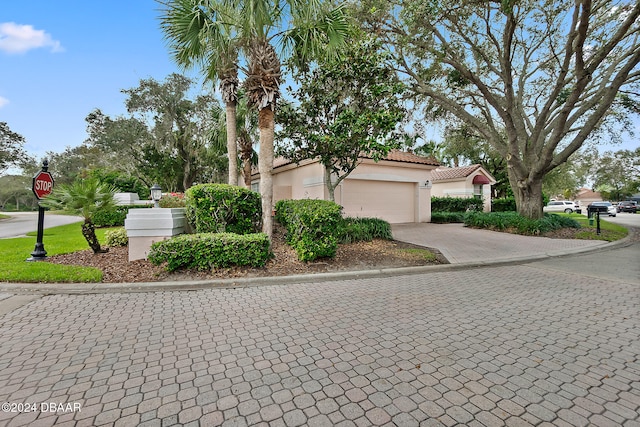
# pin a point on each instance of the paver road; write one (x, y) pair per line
(517, 346)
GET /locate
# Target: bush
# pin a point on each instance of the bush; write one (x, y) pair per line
(455, 204)
(505, 204)
(312, 226)
(227, 208)
(447, 217)
(116, 237)
(513, 222)
(114, 217)
(364, 229)
(173, 200)
(206, 251)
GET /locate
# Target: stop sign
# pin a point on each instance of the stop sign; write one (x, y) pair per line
(42, 184)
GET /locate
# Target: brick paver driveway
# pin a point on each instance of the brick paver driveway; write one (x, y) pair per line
(514, 345)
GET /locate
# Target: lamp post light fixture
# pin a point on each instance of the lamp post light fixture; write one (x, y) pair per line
(156, 195)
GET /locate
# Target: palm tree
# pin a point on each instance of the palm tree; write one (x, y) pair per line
(83, 197)
(304, 30)
(247, 130)
(199, 35)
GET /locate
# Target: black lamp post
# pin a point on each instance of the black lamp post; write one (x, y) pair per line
(156, 195)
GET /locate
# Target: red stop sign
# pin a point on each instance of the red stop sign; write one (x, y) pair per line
(42, 184)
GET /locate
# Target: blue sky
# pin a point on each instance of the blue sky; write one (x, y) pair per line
(61, 59)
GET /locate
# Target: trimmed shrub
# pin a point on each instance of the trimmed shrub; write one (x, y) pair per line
(206, 251)
(505, 204)
(312, 226)
(217, 208)
(447, 217)
(513, 222)
(455, 204)
(116, 237)
(114, 217)
(364, 229)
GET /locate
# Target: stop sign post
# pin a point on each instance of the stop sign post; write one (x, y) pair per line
(42, 184)
(42, 187)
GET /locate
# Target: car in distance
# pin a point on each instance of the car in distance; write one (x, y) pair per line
(627, 206)
(611, 210)
(561, 206)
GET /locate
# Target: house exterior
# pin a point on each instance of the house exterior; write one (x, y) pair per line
(465, 181)
(585, 197)
(396, 189)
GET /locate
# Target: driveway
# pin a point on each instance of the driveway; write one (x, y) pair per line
(460, 244)
(519, 345)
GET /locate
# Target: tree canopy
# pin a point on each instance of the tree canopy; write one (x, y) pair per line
(169, 136)
(535, 79)
(345, 108)
(12, 152)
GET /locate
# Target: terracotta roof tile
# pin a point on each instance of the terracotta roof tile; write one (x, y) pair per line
(442, 173)
(404, 156)
(394, 156)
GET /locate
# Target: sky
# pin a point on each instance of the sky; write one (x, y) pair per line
(61, 59)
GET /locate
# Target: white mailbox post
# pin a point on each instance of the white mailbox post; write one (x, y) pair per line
(146, 226)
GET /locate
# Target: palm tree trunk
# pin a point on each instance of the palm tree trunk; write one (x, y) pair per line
(266, 125)
(232, 147)
(89, 233)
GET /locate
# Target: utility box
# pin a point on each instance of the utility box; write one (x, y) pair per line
(147, 226)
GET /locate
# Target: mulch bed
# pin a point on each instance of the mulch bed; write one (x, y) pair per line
(354, 256)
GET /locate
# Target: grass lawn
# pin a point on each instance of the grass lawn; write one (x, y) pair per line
(57, 240)
(609, 231)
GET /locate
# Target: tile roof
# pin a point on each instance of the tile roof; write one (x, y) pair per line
(394, 156)
(443, 173)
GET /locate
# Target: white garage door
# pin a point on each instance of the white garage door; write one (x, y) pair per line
(391, 201)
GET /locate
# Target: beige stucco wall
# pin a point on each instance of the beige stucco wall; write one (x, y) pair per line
(462, 187)
(376, 189)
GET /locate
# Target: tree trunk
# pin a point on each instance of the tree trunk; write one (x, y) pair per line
(232, 146)
(528, 195)
(247, 172)
(331, 188)
(266, 126)
(89, 233)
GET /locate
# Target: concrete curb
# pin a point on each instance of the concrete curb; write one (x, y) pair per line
(103, 288)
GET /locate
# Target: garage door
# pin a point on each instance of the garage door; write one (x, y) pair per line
(391, 201)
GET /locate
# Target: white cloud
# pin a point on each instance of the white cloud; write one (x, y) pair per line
(3, 101)
(16, 38)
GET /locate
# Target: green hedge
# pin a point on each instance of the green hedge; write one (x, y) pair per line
(114, 217)
(364, 229)
(227, 208)
(455, 204)
(205, 251)
(505, 204)
(519, 224)
(312, 226)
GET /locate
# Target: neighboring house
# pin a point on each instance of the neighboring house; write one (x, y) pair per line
(585, 196)
(396, 189)
(464, 181)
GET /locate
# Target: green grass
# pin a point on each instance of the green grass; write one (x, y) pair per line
(4, 216)
(426, 254)
(609, 231)
(57, 240)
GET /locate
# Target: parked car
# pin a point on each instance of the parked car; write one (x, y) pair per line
(611, 210)
(561, 206)
(627, 206)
